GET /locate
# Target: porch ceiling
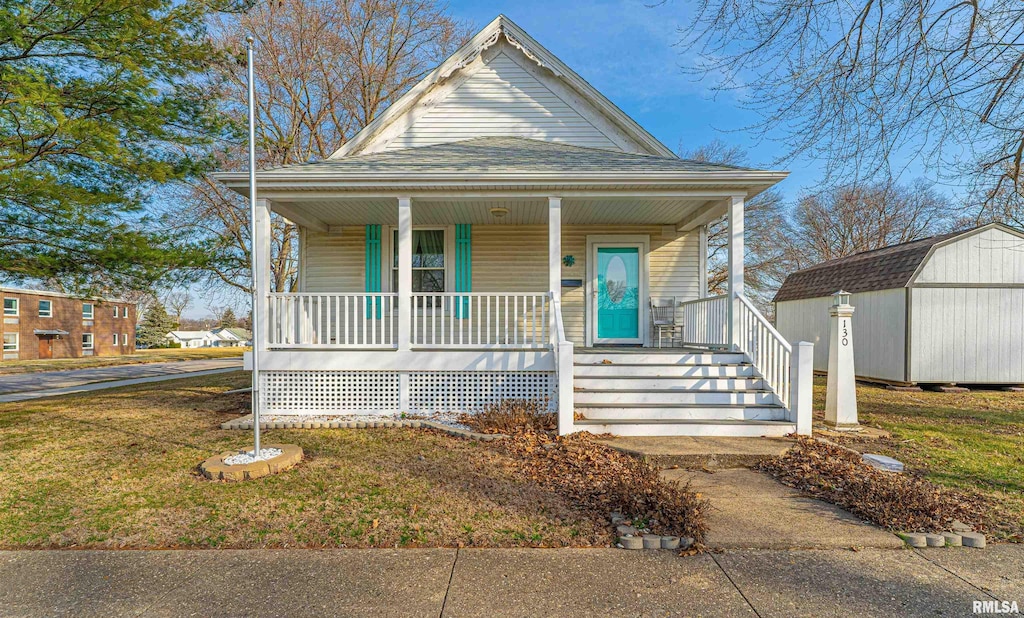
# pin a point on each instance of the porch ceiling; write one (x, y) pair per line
(522, 211)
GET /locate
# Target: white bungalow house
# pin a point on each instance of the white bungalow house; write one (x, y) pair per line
(499, 232)
(191, 338)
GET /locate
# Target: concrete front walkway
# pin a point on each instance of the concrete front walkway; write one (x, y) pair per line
(24, 386)
(526, 582)
(751, 510)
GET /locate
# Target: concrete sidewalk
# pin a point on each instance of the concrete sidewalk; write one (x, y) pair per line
(513, 582)
(24, 386)
(751, 510)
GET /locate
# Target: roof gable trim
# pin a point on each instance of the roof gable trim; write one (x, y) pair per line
(501, 27)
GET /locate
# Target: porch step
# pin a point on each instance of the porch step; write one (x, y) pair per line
(743, 370)
(734, 428)
(683, 412)
(662, 383)
(658, 358)
(608, 397)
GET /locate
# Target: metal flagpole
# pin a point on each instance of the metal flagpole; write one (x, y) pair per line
(254, 252)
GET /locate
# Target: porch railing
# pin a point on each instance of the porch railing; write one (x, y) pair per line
(481, 320)
(767, 348)
(312, 320)
(705, 321)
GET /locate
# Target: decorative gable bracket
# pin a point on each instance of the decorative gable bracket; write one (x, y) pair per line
(490, 41)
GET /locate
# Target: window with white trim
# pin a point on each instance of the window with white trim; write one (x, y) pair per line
(10, 342)
(124, 338)
(46, 308)
(115, 338)
(428, 260)
(86, 341)
(115, 311)
(11, 306)
(124, 312)
(88, 311)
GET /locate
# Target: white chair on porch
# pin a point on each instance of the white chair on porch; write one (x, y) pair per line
(663, 316)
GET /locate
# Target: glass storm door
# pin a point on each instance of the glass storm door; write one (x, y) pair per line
(618, 294)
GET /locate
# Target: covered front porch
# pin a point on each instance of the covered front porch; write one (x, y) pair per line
(457, 287)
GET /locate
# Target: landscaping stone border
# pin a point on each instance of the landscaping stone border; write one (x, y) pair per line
(215, 469)
(245, 423)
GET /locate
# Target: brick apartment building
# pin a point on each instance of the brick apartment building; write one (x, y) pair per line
(40, 325)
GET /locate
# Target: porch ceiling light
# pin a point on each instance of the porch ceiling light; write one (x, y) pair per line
(499, 211)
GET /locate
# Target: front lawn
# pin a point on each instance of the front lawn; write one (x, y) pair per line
(970, 441)
(162, 355)
(117, 469)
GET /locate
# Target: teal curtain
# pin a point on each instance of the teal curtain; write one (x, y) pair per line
(463, 267)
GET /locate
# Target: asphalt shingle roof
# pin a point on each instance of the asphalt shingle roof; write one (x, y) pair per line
(505, 154)
(881, 269)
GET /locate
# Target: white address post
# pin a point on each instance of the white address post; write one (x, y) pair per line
(841, 397)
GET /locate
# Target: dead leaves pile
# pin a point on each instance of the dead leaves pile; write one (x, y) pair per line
(603, 480)
(894, 501)
(511, 416)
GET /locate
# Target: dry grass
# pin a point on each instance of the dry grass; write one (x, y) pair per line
(894, 501)
(972, 442)
(118, 469)
(512, 416)
(140, 357)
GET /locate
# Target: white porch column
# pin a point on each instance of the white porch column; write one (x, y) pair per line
(261, 265)
(555, 246)
(404, 273)
(735, 279)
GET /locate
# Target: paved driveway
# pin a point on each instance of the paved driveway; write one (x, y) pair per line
(23, 386)
(513, 582)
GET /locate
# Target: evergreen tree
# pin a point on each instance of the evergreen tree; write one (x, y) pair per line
(152, 332)
(228, 319)
(100, 102)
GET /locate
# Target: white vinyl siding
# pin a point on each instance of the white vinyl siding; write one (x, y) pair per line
(514, 259)
(969, 335)
(879, 331)
(502, 99)
(990, 256)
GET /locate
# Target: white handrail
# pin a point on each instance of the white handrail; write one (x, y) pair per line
(564, 374)
(767, 348)
(333, 320)
(480, 320)
(705, 321)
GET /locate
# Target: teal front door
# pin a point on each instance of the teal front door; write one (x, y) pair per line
(618, 294)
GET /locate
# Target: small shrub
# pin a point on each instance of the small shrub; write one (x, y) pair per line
(512, 416)
(894, 501)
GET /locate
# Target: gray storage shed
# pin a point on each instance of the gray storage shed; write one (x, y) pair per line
(942, 310)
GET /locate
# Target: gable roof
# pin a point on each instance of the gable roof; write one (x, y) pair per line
(497, 156)
(502, 28)
(232, 333)
(190, 334)
(880, 269)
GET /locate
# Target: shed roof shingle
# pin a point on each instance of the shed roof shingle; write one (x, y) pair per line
(880, 269)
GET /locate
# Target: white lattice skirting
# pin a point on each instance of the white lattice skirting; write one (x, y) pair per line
(347, 392)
